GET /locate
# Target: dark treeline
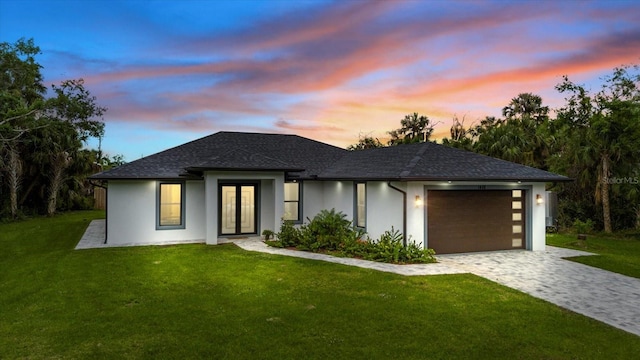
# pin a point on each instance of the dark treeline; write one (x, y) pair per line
(43, 163)
(594, 139)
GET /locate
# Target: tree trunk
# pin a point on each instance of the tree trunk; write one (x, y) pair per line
(606, 208)
(14, 178)
(59, 163)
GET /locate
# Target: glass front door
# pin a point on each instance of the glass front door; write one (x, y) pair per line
(238, 209)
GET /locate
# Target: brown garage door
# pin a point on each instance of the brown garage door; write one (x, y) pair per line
(468, 220)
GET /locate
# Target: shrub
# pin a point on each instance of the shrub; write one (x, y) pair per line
(288, 235)
(389, 248)
(268, 234)
(583, 227)
(328, 230)
(331, 231)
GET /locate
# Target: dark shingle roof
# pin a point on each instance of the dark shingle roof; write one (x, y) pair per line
(430, 161)
(232, 151)
(308, 158)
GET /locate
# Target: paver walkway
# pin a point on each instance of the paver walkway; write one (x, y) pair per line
(605, 296)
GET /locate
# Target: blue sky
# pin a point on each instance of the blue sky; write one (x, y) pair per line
(174, 71)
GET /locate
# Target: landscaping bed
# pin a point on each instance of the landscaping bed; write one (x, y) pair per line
(331, 233)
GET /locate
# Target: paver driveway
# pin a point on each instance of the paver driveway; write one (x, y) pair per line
(603, 295)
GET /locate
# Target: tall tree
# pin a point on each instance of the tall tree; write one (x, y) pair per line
(21, 89)
(526, 105)
(522, 136)
(413, 128)
(365, 142)
(73, 113)
(21, 105)
(602, 132)
(459, 136)
(40, 139)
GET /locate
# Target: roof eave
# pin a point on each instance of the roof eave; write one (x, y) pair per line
(202, 169)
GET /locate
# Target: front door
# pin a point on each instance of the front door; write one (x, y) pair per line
(238, 208)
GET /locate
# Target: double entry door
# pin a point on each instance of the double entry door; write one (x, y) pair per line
(238, 209)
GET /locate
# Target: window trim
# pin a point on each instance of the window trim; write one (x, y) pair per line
(300, 217)
(183, 215)
(356, 218)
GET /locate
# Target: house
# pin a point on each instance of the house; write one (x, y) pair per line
(232, 184)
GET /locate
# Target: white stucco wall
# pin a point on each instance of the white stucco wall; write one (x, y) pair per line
(384, 209)
(326, 195)
(538, 223)
(339, 195)
(384, 205)
(131, 214)
(312, 199)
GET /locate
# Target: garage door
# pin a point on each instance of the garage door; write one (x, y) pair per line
(475, 220)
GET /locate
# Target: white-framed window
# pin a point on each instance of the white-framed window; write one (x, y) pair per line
(361, 205)
(170, 205)
(292, 201)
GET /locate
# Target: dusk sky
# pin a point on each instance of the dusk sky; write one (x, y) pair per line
(174, 71)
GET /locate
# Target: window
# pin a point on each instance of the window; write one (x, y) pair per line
(292, 201)
(361, 205)
(170, 206)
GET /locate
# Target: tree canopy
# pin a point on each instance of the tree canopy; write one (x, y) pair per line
(42, 135)
(594, 139)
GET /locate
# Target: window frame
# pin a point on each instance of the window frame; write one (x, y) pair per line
(299, 201)
(356, 217)
(183, 217)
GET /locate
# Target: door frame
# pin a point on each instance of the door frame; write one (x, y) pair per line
(256, 205)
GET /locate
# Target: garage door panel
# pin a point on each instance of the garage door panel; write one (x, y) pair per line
(467, 220)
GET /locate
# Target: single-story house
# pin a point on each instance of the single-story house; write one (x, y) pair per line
(233, 184)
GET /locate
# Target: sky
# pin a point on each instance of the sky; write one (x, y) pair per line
(174, 71)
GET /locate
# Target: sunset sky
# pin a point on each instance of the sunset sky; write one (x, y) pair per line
(174, 71)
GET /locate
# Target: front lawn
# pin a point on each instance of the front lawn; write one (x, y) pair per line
(618, 252)
(198, 301)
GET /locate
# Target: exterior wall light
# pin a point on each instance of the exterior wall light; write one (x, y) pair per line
(539, 199)
(418, 201)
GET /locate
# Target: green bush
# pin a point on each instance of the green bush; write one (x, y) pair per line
(268, 234)
(289, 235)
(330, 231)
(389, 248)
(583, 227)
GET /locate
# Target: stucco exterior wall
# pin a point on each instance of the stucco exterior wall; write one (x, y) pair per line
(384, 209)
(538, 218)
(131, 214)
(339, 195)
(312, 199)
(384, 205)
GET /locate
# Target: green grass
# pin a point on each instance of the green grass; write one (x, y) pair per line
(198, 301)
(619, 253)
